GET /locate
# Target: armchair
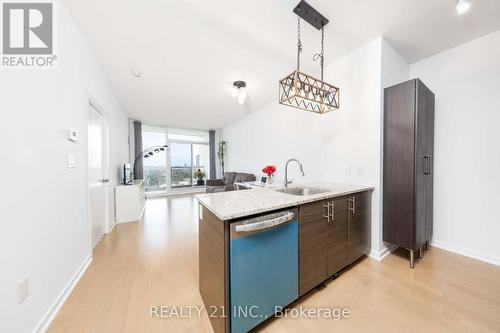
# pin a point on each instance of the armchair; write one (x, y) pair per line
(221, 185)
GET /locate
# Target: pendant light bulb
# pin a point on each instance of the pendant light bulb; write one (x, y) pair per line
(242, 96)
(240, 92)
(462, 6)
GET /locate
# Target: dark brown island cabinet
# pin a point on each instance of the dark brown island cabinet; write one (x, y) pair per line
(332, 234)
(408, 166)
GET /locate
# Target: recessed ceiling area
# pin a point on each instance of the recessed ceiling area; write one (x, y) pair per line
(188, 53)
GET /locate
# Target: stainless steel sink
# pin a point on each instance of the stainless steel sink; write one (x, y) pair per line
(302, 190)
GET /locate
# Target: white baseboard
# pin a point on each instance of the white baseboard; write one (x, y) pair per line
(494, 260)
(49, 316)
(112, 227)
(380, 255)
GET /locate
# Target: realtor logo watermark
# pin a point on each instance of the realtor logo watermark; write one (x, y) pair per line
(28, 34)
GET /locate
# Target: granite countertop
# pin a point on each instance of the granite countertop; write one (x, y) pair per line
(235, 204)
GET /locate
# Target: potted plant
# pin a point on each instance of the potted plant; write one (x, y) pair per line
(199, 175)
(221, 153)
(269, 170)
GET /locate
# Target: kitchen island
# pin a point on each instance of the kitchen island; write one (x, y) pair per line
(262, 249)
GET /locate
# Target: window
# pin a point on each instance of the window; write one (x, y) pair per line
(155, 167)
(201, 161)
(188, 151)
(180, 165)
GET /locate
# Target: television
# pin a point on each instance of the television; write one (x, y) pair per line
(127, 174)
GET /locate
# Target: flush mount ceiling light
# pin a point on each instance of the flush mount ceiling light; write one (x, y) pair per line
(240, 91)
(462, 6)
(303, 91)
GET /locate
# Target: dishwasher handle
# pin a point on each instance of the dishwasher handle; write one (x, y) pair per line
(264, 224)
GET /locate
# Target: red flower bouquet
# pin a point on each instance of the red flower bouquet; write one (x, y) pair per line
(269, 170)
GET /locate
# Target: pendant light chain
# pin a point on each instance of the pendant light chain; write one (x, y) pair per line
(304, 91)
(321, 55)
(299, 43)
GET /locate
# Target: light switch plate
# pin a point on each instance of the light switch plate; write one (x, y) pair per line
(72, 135)
(23, 289)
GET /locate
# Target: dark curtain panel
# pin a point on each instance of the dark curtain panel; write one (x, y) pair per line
(138, 171)
(211, 141)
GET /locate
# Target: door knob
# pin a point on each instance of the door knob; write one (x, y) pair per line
(105, 180)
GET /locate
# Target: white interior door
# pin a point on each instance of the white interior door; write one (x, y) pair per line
(97, 173)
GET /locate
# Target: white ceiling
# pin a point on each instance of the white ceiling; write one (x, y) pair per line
(189, 52)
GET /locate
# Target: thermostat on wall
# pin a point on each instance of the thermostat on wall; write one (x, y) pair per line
(72, 135)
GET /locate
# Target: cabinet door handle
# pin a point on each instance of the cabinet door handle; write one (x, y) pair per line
(332, 211)
(327, 216)
(353, 207)
(427, 164)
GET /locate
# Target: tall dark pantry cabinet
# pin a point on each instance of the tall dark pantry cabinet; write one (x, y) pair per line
(408, 166)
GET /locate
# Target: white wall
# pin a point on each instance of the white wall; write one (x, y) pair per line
(466, 81)
(273, 135)
(395, 69)
(350, 138)
(45, 232)
(342, 146)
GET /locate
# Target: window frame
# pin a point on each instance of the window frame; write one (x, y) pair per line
(169, 188)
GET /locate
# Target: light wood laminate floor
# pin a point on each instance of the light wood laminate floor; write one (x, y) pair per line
(155, 262)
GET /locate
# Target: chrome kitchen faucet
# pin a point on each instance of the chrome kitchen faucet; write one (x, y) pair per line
(286, 170)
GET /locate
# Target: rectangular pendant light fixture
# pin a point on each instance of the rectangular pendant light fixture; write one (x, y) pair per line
(301, 90)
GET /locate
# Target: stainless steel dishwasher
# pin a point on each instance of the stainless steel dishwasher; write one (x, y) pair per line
(263, 267)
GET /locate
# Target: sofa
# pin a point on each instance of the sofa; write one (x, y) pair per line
(227, 182)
